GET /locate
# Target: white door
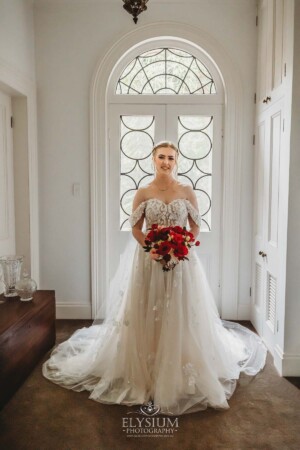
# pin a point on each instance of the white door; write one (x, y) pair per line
(266, 253)
(197, 130)
(258, 225)
(271, 47)
(132, 132)
(7, 215)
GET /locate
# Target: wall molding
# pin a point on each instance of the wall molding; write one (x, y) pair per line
(233, 133)
(16, 83)
(286, 364)
(74, 310)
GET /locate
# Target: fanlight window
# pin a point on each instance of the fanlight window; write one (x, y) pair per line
(166, 71)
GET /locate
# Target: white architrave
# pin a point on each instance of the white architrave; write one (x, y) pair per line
(233, 119)
(15, 83)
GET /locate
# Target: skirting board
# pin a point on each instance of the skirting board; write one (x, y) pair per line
(73, 311)
(287, 365)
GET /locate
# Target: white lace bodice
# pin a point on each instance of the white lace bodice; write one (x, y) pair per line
(169, 214)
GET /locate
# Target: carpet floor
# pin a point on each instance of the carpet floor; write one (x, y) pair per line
(264, 414)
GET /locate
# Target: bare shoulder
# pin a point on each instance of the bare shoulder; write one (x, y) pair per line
(145, 192)
(140, 195)
(190, 195)
(187, 190)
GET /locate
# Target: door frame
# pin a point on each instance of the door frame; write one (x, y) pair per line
(166, 124)
(271, 263)
(22, 89)
(198, 41)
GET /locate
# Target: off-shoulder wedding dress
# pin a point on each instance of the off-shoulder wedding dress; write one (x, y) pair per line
(162, 338)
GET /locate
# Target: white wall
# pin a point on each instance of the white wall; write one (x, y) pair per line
(71, 37)
(292, 329)
(17, 35)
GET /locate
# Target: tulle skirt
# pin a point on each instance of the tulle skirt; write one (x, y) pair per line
(162, 340)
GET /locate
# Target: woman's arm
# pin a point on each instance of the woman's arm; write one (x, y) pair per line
(191, 196)
(137, 228)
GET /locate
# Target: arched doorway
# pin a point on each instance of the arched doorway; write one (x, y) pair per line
(112, 110)
(170, 92)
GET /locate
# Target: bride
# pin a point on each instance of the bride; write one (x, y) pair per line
(162, 339)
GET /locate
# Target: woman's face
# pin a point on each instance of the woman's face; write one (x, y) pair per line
(165, 160)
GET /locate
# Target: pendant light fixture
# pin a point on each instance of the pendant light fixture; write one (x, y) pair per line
(135, 7)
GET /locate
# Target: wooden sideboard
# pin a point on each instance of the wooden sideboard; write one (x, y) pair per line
(27, 332)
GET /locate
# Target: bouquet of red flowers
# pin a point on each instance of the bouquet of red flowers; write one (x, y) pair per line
(170, 244)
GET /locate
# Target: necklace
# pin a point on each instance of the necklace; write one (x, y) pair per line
(166, 187)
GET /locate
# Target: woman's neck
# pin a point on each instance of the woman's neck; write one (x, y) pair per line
(163, 178)
(163, 183)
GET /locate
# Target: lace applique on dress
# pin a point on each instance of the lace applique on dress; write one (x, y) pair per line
(195, 215)
(137, 214)
(168, 214)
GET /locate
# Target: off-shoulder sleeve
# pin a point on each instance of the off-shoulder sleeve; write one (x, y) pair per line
(195, 215)
(137, 214)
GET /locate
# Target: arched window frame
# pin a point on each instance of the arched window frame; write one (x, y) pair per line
(178, 99)
(217, 98)
(234, 116)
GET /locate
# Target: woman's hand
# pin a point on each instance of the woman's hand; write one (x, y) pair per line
(155, 257)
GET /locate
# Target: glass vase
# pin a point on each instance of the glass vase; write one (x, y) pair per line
(11, 270)
(26, 287)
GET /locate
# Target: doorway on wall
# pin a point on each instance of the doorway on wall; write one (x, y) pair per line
(169, 93)
(7, 203)
(175, 93)
(14, 178)
(197, 130)
(161, 70)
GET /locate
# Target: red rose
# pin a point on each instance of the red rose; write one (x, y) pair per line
(178, 238)
(178, 229)
(191, 236)
(164, 248)
(151, 235)
(181, 250)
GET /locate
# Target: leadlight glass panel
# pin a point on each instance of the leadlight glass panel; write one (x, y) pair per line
(195, 144)
(166, 71)
(136, 143)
